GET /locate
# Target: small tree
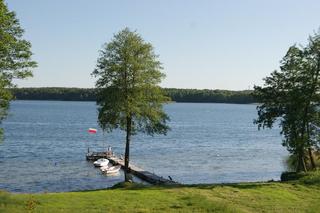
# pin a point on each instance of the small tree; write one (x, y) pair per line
(128, 95)
(15, 56)
(291, 95)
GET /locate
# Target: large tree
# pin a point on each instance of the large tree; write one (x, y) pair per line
(128, 95)
(291, 96)
(15, 56)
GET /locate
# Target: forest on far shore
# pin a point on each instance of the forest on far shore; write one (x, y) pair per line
(177, 95)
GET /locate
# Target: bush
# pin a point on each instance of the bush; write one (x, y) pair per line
(288, 176)
(311, 178)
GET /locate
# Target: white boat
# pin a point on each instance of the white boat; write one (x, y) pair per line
(106, 167)
(101, 162)
(111, 170)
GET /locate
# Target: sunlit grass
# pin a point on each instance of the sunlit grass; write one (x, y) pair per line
(297, 196)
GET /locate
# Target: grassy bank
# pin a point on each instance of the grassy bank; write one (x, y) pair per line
(295, 196)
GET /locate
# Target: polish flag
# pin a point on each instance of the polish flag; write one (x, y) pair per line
(92, 130)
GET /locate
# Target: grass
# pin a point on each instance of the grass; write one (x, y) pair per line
(295, 196)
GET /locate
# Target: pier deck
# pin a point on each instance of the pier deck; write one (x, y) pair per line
(139, 172)
(93, 156)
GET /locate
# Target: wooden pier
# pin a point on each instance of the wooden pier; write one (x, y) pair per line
(93, 156)
(139, 172)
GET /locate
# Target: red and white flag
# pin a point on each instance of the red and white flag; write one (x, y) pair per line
(92, 130)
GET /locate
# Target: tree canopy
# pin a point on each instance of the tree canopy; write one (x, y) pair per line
(15, 55)
(128, 95)
(291, 96)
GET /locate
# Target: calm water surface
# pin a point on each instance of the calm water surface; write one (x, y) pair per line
(46, 142)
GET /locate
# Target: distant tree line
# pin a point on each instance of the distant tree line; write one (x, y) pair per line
(210, 96)
(55, 93)
(177, 95)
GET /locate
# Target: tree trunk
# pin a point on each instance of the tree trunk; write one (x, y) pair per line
(313, 165)
(305, 126)
(301, 163)
(127, 175)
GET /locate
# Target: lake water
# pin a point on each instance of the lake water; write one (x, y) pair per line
(46, 142)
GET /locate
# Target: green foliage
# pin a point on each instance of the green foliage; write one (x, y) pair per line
(290, 176)
(177, 95)
(291, 96)
(128, 76)
(309, 178)
(54, 93)
(15, 56)
(210, 96)
(292, 161)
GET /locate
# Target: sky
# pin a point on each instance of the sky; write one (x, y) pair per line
(204, 44)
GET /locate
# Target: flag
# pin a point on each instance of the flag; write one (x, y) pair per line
(92, 130)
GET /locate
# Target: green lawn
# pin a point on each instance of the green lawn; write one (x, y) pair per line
(296, 196)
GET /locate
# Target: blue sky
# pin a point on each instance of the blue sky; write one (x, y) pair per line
(202, 44)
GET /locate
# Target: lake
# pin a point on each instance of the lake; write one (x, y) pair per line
(45, 143)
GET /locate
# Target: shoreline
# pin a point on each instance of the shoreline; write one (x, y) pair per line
(154, 185)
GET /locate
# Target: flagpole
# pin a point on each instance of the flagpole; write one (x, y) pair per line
(91, 131)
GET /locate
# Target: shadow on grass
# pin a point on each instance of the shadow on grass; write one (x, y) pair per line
(311, 178)
(137, 186)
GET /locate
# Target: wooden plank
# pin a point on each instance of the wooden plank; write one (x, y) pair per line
(137, 171)
(141, 173)
(93, 156)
